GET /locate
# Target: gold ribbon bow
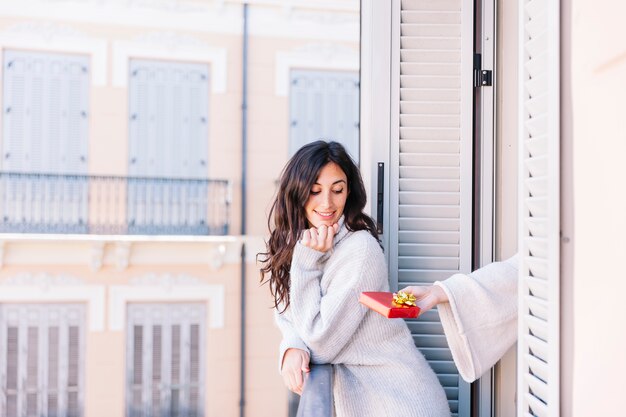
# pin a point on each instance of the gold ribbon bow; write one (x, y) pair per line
(403, 298)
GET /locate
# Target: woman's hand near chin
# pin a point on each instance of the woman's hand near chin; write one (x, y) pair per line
(320, 238)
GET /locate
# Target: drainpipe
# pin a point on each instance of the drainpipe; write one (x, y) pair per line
(244, 162)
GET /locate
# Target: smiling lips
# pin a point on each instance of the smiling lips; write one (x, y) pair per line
(326, 216)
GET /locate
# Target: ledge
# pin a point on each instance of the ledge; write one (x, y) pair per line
(123, 251)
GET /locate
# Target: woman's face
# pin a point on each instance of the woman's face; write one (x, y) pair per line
(328, 196)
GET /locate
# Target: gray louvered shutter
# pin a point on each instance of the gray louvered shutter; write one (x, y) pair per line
(431, 164)
(46, 103)
(324, 105)
(42, 352)
(168, 113)
(168, 119)
(538, 344)
(165, 345)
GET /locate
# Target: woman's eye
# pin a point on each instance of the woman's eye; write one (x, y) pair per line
(315, 192)
(338, 191)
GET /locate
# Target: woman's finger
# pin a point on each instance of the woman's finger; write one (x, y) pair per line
(328, 244)
(306, 237)
(298, 379)
(322, 232)
(418, 291)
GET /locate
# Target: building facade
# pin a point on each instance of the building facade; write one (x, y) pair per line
(121, 177)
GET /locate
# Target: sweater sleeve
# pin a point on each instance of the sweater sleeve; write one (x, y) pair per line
(480, 319)
(327, 322)
(290, 337)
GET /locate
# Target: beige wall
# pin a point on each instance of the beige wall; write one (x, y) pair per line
(597, 139)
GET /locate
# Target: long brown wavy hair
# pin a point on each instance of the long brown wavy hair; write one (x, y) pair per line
(287, 218)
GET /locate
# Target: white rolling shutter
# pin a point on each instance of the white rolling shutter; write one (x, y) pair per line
(431, 163)
(165, 359)
(538, 345)
(42, 352)
(324, 105)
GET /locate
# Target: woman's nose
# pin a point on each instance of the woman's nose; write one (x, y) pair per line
(326, 200)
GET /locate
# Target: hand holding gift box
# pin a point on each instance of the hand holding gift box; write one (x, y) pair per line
(390, 305)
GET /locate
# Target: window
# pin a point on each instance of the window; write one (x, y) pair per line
(168, 147)
(324, 105)
(169, 105)
(42, 355)
(165, 359)
(45, 131)
(46, 104)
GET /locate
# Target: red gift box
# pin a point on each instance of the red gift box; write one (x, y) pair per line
(382, 302)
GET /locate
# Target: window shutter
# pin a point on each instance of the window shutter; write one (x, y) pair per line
(194, 371)
(41, 349)
(46, 103)
(12, 354)
(46, 100)
(165, 364)
(324, 105)
(168, 119)
(168, 113)
(157, 361)
(32, 369)
(52, 402)
(538, 345)
(431, 164)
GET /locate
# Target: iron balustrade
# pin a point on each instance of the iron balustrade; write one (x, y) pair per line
(104, 204)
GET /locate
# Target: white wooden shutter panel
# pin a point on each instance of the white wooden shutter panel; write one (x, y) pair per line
(324, 105)
(538, 345)
(165, 361)
(42, 357)
(431, 163)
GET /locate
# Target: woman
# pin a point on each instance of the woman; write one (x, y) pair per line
(322, 253)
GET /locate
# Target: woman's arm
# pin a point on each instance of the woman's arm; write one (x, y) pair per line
(478, 312)
(326, 323)
(294, 355)
(290, 340)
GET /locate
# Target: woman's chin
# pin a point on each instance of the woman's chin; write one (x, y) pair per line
(323, 222)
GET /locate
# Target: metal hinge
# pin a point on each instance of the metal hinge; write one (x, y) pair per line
(482, 78)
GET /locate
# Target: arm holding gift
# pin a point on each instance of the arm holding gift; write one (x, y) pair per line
(478, 312)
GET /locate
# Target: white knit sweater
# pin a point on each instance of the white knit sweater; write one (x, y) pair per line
(378, 370)
(480, 321)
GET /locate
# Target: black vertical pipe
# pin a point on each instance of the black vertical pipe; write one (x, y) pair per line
(244, 163)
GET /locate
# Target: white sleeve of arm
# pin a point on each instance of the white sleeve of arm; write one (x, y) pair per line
(480, 319)
(290, 338)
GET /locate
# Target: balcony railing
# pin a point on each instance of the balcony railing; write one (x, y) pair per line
(317, 396)
(95, 204)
